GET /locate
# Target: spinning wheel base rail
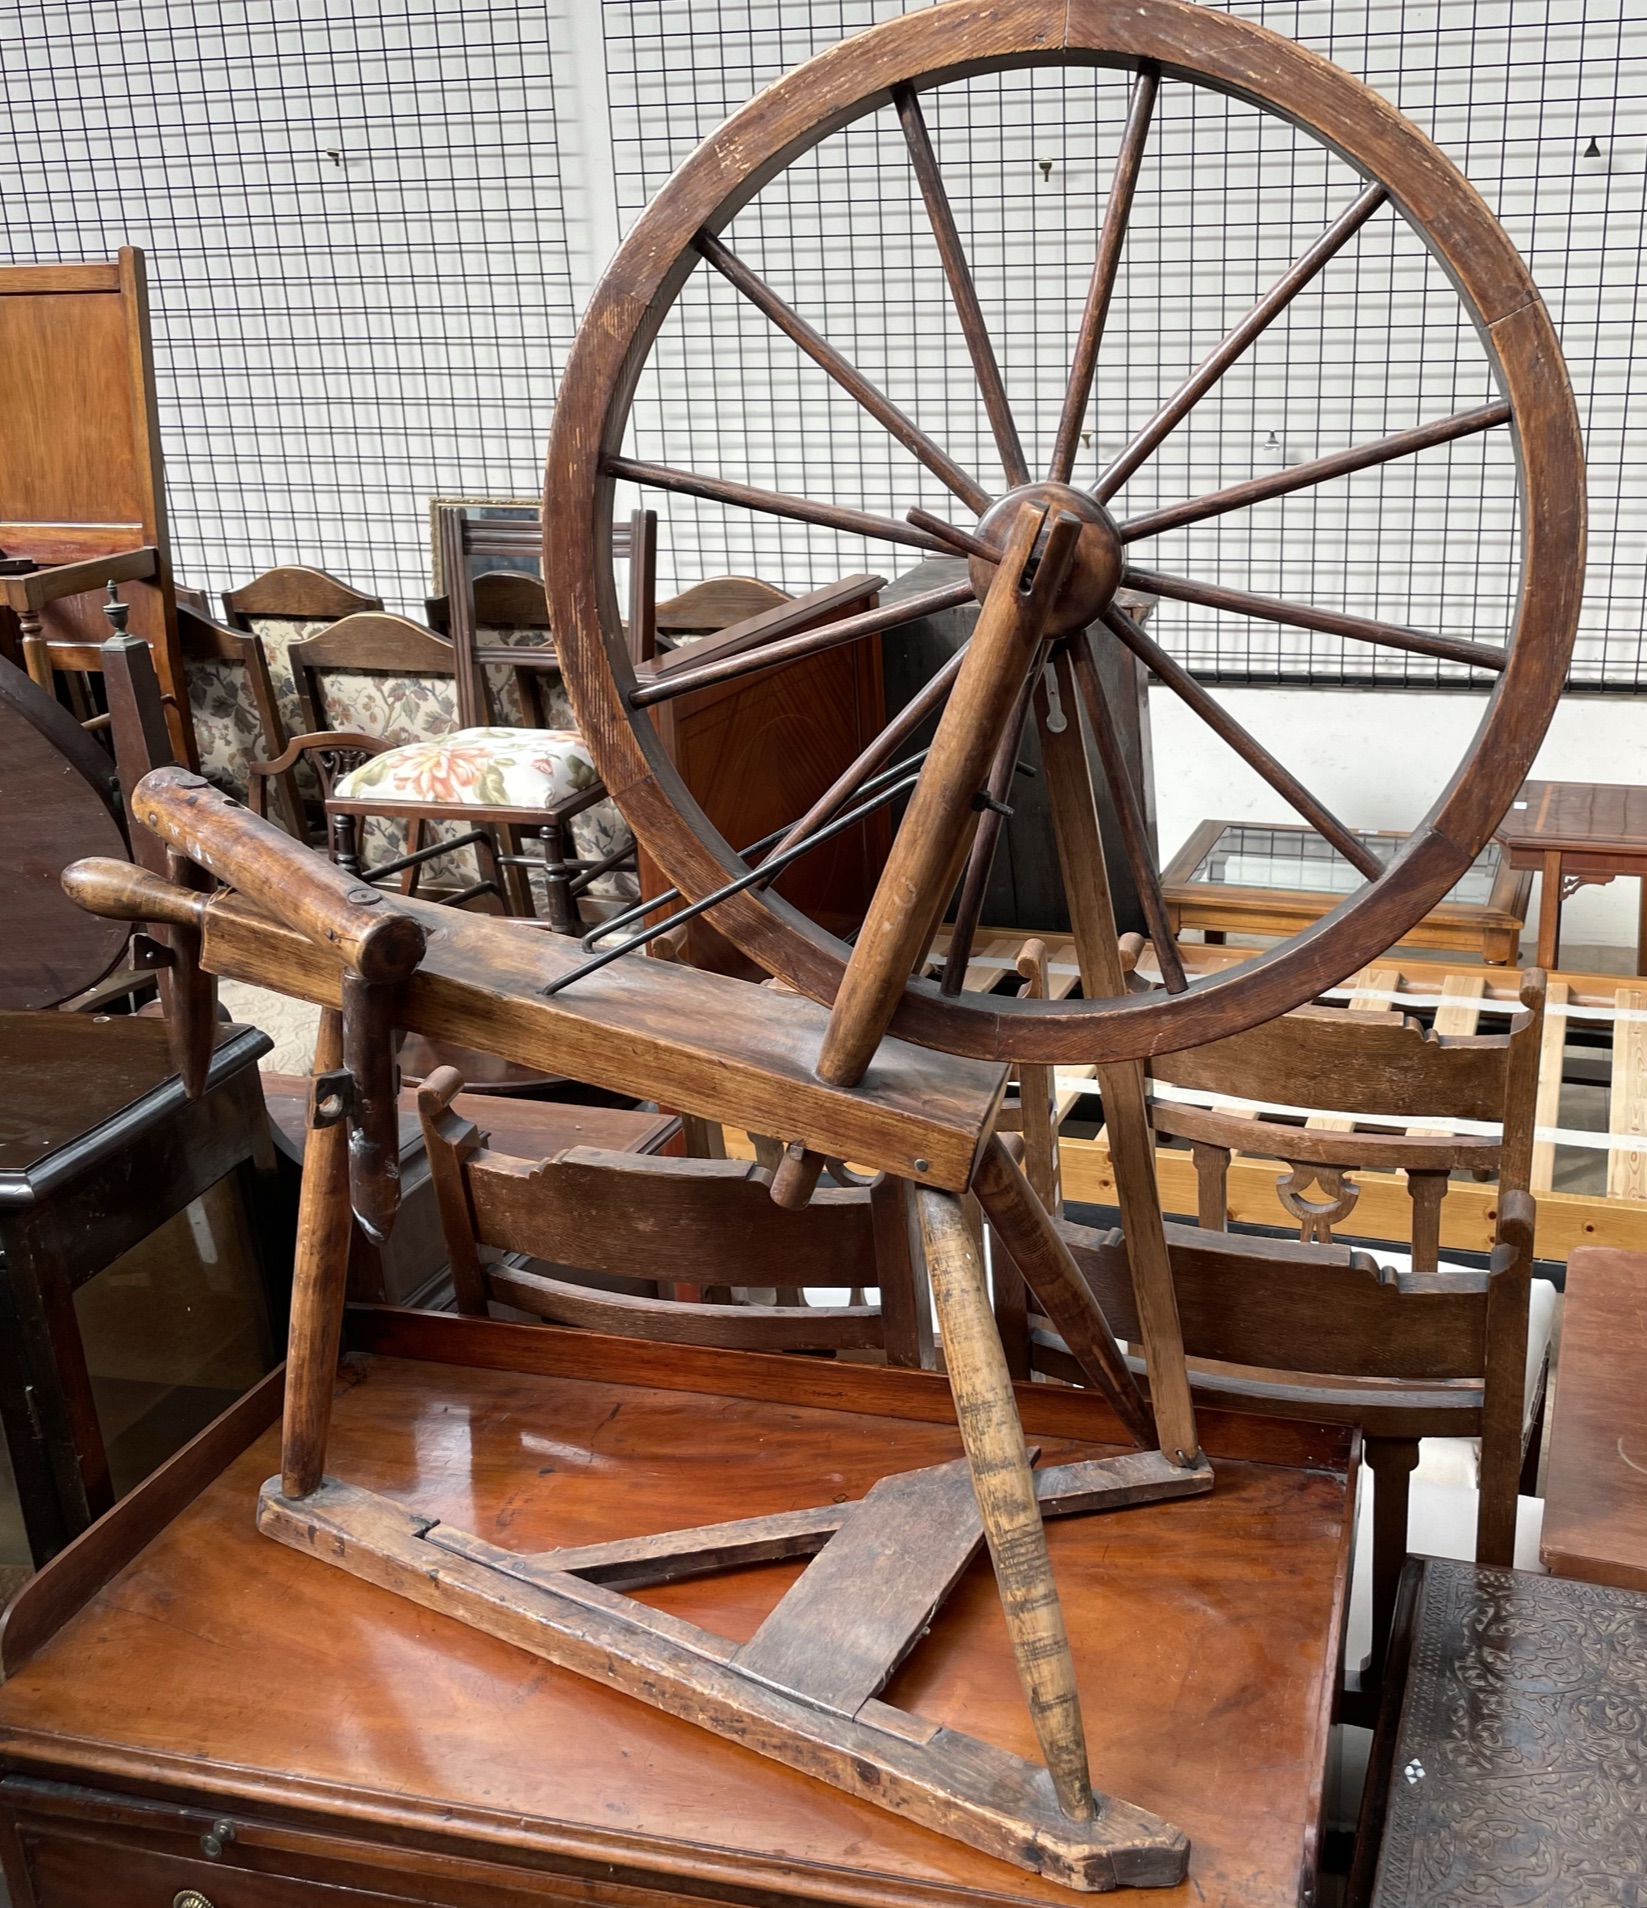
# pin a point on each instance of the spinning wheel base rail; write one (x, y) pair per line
(743, 1055)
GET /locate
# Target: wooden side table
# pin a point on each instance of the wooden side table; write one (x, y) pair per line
(1278, 877)
(362, 1750)
(98, 1147)
(1577, 835)
(1595, 1491)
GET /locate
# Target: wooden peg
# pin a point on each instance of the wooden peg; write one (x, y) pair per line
(1037, 1094)
(796, 1178)
(1005, 1489)
(128, 893)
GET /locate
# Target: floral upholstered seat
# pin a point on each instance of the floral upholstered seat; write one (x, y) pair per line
(527, 769)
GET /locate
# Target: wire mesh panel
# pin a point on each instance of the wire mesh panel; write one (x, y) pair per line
(356, 252)
(1538, 103)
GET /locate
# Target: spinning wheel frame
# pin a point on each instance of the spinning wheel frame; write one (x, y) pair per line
(1159, 40)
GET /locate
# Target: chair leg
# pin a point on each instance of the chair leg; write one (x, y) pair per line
(563, 914)
(1392, 1462)
(517, 888)
(345, 842)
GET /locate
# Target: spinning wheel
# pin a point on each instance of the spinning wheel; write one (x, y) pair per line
(1045, 559)
(1038, 642)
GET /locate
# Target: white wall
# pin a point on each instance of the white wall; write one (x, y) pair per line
(1378, 759)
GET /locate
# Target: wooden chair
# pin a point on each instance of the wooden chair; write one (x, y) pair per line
(504, 650)
(287, 605)
(233, 708)
(1323, 1334)
(656, 1247)
(378, 703)
(1404, 1087)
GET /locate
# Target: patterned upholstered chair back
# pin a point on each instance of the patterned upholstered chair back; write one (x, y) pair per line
(379, 675)
(231, 699)
(288, 605)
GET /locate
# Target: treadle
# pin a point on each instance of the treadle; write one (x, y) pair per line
(804, 1690)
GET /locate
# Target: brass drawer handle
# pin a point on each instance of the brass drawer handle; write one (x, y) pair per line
(190, 1898)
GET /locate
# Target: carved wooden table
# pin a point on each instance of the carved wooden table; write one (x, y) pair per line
(1576, 834)
(351, 1739)
(97, 1147)
(1595, 1497)
(1277, 877)
(1510, 1757)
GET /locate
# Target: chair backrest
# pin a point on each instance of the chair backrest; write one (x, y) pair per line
(1340, 1067)
(295, 593)
(287, 605)
(231, 699)
(503, 600)
(716, 604)
(1322, 1333)
(460, 536)
(620, 1239)
(378, 675)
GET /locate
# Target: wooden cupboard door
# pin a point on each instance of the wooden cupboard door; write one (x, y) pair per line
(757, 753)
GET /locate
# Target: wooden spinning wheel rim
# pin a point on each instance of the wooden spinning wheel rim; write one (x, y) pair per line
(1183, 42)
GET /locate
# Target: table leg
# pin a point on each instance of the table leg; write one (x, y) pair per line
(46, 1402)
(1549, 911)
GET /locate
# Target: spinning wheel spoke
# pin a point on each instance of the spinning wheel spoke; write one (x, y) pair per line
(1129, 814)
(1319, 471)
(1330, 622)
(847, 376)
(774, 503)
(812, 642)
(1246, 745)
(961, 287)
(1234, 343)
(962, 541)
(1116, 214)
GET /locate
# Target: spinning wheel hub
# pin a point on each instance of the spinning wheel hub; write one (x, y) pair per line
(1093, 575)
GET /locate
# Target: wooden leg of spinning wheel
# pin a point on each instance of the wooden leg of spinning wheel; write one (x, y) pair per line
(324, 1220)
(1031, 1236)
(920, 869)
(1005, 1490)
(1126, 1114)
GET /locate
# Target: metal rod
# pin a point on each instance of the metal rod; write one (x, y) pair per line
(764, 873)
(642, 908)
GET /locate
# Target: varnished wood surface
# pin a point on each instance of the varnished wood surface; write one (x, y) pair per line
(54, 813)
(1595, 1492)
(700, 1042)
(291, 1689)
(68, 1075)
(1577, 815)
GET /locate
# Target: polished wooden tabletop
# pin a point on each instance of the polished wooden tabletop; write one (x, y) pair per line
(1576, 815)
(223, 1665)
